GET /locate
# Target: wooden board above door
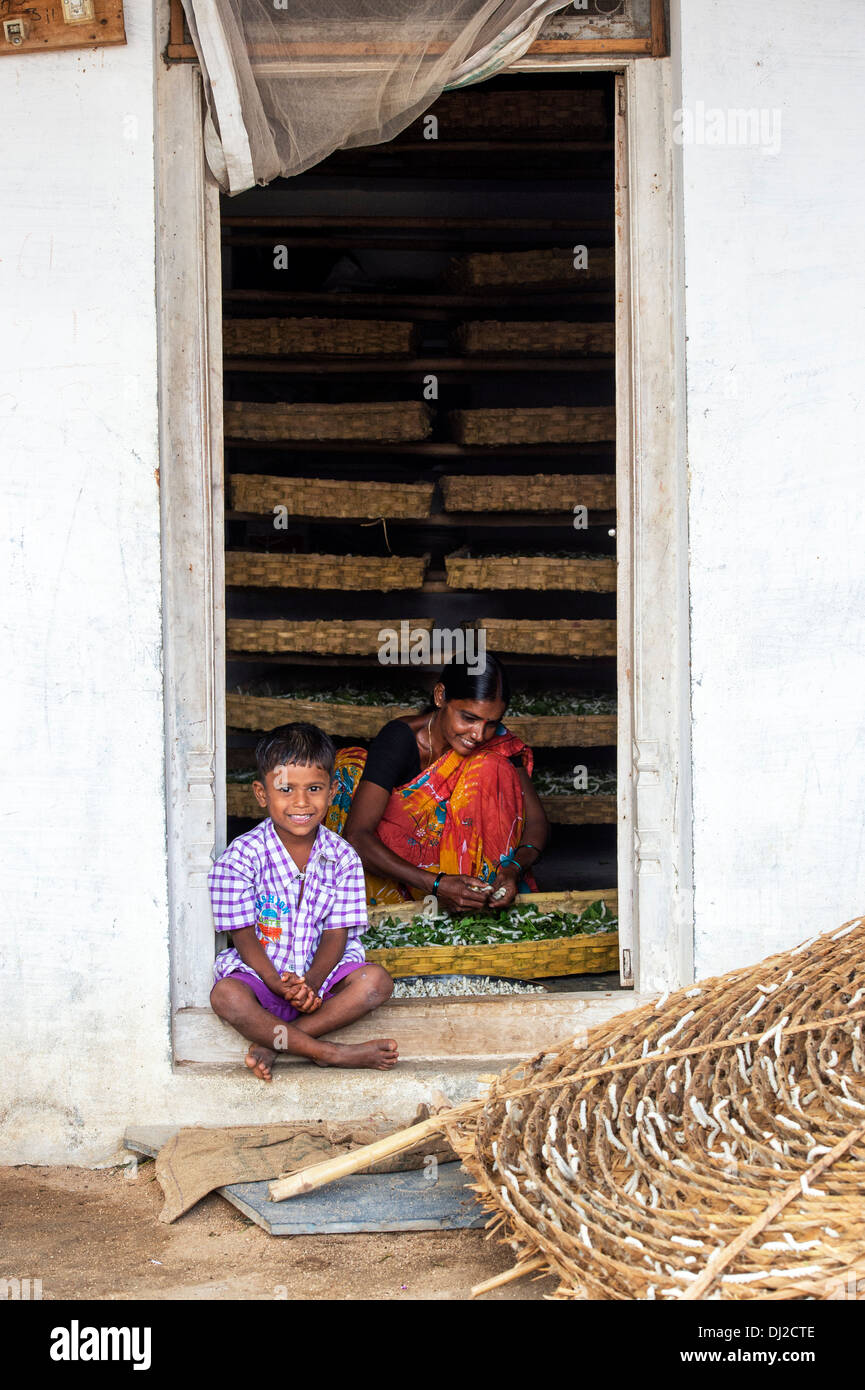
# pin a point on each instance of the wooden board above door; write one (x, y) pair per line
(645, 41)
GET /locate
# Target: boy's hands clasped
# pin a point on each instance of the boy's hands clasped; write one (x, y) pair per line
(298, 993)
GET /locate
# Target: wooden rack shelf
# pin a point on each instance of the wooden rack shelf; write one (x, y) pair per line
(560, 810)
(423, 306)
(535, 225)
(460, 520)
(364, 721)
(445, 368)
(444, 448)
(399, 236)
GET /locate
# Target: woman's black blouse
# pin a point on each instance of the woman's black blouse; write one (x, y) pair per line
(393, 758)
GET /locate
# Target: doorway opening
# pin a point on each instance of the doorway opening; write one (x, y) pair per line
(420, 405)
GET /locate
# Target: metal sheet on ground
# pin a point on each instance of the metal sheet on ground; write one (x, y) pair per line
(373, 1202)
(364, 1202)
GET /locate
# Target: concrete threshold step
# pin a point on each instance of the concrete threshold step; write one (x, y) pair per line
(485, 1030)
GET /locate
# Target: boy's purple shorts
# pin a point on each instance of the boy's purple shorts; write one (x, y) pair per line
(281, 1007)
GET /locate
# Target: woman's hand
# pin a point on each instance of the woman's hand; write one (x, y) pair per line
(460, 891)
(504, 887)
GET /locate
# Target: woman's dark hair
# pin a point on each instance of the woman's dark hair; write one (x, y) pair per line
(298, 745)
(463, 681)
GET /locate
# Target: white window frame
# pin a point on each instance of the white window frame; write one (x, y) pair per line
(654, 821)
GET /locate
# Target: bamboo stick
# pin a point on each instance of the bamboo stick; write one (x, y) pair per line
(519, 1270)
(320, 1174)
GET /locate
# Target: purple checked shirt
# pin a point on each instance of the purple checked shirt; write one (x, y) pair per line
(256, 883)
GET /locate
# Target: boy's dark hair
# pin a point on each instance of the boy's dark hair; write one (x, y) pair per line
(303, 745)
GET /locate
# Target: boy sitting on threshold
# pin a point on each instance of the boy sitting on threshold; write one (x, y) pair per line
(292, 894)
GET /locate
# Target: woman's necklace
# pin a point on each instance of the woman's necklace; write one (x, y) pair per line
(429, 739)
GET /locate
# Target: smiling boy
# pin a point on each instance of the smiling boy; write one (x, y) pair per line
(291, 893)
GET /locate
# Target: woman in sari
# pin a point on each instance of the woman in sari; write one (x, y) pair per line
(443, 801)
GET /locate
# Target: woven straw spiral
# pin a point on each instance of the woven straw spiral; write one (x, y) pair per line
(628, 1182)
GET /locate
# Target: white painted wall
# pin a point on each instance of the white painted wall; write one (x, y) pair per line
(774, 306)
(777, 564)
(84, 953)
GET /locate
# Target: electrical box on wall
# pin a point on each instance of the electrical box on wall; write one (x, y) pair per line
(38, 27)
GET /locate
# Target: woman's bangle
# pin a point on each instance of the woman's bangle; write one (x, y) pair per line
(511, 857)
(436, 881)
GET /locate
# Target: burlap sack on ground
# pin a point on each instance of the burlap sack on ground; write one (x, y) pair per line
(196, 1161)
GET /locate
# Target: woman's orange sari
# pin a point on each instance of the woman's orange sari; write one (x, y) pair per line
(458, 816)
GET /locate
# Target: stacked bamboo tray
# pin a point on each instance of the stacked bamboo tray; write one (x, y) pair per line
(349, 498)
(380, 422)
(534, 492)
(259, 569)
(498, 337)
(538, 114)
(586, 575)
(547, 269)
(559, 424)
(318, 337)
(256, 492)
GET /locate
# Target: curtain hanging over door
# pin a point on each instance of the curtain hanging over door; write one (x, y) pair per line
(287, 82)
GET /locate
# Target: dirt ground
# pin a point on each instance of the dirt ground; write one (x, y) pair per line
(95, 1234)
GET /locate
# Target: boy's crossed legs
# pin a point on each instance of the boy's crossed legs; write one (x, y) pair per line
(350, 999)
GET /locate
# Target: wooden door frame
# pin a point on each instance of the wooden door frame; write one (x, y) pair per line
(654, 822)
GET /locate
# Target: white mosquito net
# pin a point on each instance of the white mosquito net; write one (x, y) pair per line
(289, 81)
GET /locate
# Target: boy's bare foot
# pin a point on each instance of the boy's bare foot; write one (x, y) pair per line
(260, 1060)
(381, 1054)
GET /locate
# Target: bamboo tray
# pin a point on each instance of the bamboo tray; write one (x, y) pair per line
(364, 721)
(564, 730)
(558, 424)
(521, 960)
(573, 637)
(240, 801)
(331, 497)
(346, 721)
(385, 422)
(557, 338)
(327, 637)
(561, 810)
(536, 492)
(317, 337)
(533, 113)
(599, 809)
(551, 268)
(594, 576)
(260, 569)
